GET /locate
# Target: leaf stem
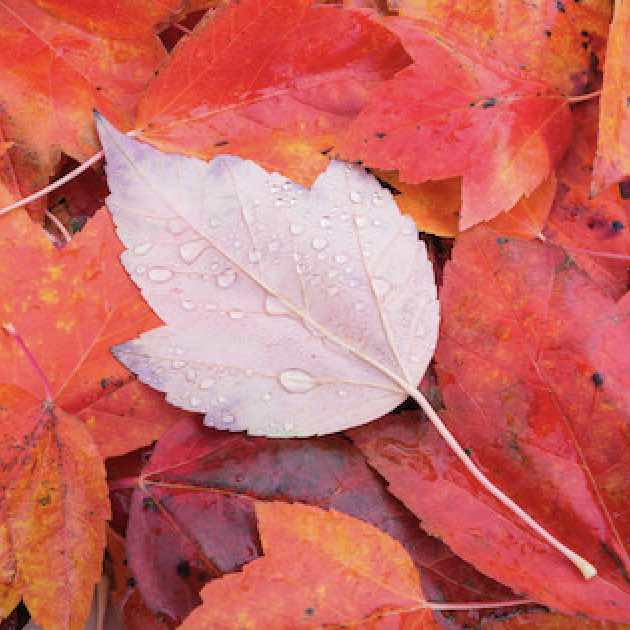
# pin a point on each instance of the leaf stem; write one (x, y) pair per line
(59, 225)
(56, 184)
(10, 330)
(584, 97)
(585, 567)
(476, 605)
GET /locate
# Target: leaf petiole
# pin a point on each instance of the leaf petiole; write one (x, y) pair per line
(585, 567)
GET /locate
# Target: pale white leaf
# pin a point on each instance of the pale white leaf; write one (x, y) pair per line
(287, 311)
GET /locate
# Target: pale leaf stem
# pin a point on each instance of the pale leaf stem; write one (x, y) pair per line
(59, 225)
(583, 97)
(56, 184)
(585, 567)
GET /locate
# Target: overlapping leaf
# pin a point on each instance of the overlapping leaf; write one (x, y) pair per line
(274, 82)
(67, 305)
(194, 520)
(594, 230)
(316, 306)
(613, 153)
(59, 61)
(557, 42)
(349, 574)
(533, 371)
(456, 113)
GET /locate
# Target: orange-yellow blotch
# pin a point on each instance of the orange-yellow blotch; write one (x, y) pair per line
(54, 271)
(91, 421)
(65, 324)
(48, 295)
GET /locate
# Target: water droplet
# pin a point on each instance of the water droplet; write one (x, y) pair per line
(266, 396)
(376, 223)
(319, 243)
(376, 198)
(288, 426)
(274, 245)
(333, 273)
(340, 258)
(296, 229)
(236, 314)
(322, 256)
(194, 401)
(342, 393)
(188, 305)
(142, 249)
(297, 381)
(301, 268)
(325, 222)
(140, 269)
(227, 418)
(275, 187)
(226, 279)
(353, 283)
(191, 375)
(277, 203)
(359, 306)
(254, 256)
(414, 358)
(381, 286)
(274, 306)
(286, 186)
(178, 351)
(355, 197)
(159, 274)
(176, 226)
(360, 221)
(409, 227)
(191, 250)
(206, 383)
(249, 372)
(344, 216)
(178, 364)
(214, 223)
(237, 244)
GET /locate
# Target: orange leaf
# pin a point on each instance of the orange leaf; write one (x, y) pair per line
(278, 95)
(612, 162)
(455, 113)
(552, 41)
(59, 61)
(54, 512)
(70, 306)
(435, 207)
(552, 621)
(349, 573)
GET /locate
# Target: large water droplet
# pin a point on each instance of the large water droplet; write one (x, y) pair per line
(188, 305)
(206, 383)
(355, 197)
(296, 229)
(191, 250)
(325, 222)
(254, 256)
(236, 314)
(360, 221)
(142, 249)
(274, 306)
(340, 258)
(159, 274)
(297, 381)
(194, 401)
(178, 364)
(266, 396)
(226, 279)
(319, 243)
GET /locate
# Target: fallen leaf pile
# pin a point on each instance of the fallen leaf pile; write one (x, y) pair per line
(330, 229)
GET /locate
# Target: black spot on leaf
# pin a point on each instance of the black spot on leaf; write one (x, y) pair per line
(598, 379)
